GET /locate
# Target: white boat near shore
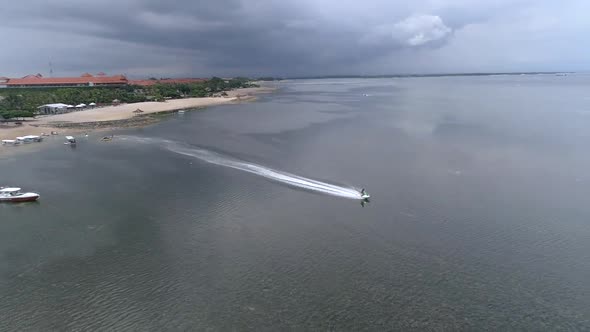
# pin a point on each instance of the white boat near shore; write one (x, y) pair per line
(71, 140)
(29, 139)
(10, 142)
(13, 195)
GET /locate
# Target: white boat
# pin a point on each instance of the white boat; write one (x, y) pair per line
(29, 139)
(14, 195)
(181, 112)
(10, 142)
(70, 140)
(34, 138)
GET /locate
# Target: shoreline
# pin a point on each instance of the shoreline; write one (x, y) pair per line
(122, 116)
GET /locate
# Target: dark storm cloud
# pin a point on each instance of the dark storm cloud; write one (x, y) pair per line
(236, 36)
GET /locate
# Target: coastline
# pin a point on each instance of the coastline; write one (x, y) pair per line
(121, 116)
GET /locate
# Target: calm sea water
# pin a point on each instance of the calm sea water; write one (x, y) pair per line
(480, 217)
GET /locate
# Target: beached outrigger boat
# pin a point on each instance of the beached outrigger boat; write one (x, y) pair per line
(14, 195)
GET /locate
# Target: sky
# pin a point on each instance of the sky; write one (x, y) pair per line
(290, 38)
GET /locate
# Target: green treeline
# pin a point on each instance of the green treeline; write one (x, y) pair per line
(23, 102)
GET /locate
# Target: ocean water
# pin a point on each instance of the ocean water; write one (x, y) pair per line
(243, 217)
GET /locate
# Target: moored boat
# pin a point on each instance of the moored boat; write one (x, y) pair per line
(34, 138)
(70, 140)
(14, 195)
(10, 142)
(29, 139)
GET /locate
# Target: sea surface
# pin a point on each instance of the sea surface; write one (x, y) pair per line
(479, 217)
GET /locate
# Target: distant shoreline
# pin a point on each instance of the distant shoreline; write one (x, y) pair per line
(121, 116)
(433, 75)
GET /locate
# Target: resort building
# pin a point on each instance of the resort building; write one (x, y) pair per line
(100, 79)
(38, 81)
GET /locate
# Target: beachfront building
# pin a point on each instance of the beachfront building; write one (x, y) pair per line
(38, 81)
(87, 79)
(55, 109)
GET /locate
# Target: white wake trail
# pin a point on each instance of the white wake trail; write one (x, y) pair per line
(269, 173)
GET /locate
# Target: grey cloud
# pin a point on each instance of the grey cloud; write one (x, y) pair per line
(413, 31)
(303, 37)
(421, 30)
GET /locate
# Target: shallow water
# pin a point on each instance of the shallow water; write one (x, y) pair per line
(479, 217)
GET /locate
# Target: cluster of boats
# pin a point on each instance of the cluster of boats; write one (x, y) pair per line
(14, 195)
(70, 140)
(23, 140)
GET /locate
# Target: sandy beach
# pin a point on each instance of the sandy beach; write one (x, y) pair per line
(74, 122)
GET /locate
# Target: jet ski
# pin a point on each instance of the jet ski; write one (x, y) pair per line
(364, 195)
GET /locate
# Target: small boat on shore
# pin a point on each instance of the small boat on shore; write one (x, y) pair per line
(10, 142)
(14, 195)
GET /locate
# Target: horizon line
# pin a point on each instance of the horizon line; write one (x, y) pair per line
(432, 74)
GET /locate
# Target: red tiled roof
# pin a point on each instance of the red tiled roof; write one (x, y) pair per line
(166, 81)
(35, 80)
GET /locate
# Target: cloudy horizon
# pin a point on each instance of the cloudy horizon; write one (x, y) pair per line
(292, 38)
